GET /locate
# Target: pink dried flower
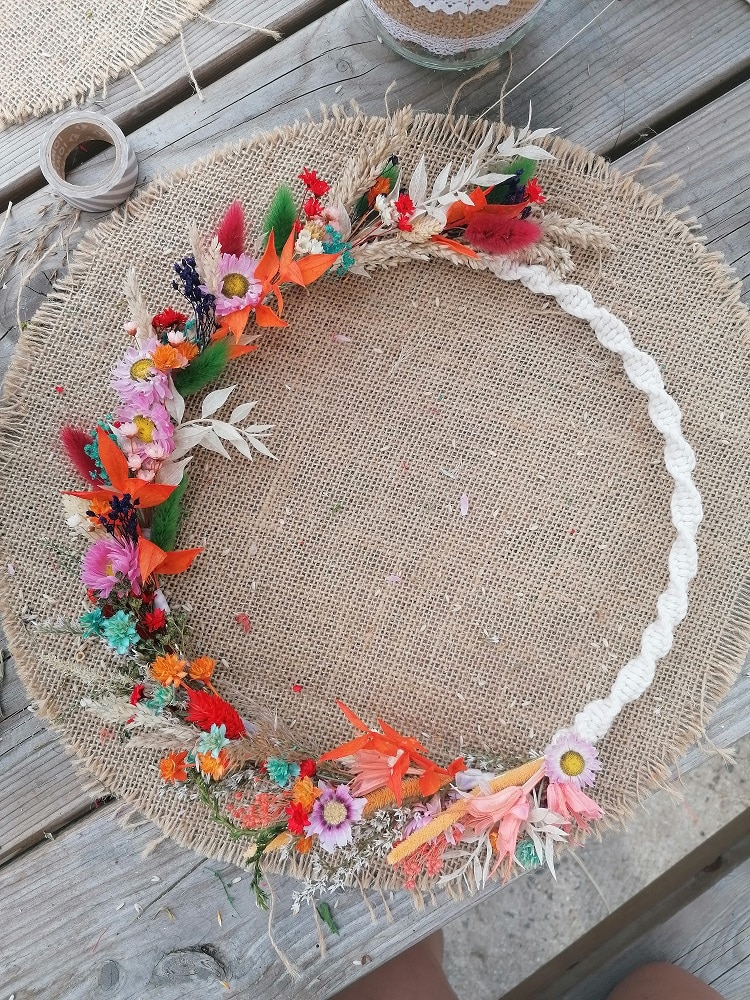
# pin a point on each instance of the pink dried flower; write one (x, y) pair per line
(238, 287)
(567, 800)
(135, 378)
(111, 563)
(498, 235)
(571, 759)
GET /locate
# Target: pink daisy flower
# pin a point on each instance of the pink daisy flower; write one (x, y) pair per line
(146, 436)
(111, 563)
(333, 815)
(135, 379)
(571, 760)
(238, 287)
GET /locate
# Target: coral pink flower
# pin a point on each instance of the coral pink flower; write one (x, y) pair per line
(499, 235)
(111, 563)
(373, 769)
(504, 812)
(568, 801)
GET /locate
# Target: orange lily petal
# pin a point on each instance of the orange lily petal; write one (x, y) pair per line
(89, 494)
(237, 350)
(150, 557)
(265, 316)
(443, 241)
(315, 265)
(148, 494)
(268, 265)
(233, 323)
(114, 462)
(351, 717)
(347, 749)
(178, 561)
(291, 272)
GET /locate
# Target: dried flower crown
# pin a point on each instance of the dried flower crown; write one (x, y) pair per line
(378, 796)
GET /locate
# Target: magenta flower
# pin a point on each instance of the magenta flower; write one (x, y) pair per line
(332, 816)
(111, 563)
(135, 379)
(572, 760)
(238, 286)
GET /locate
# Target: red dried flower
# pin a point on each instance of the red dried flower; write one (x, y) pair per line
(307, 768)
(155, 620)
(206, 710)
(316, 185)
(404, 224)
(404, 205)
(312, 208)
(499, 235)
(137, 693)
(534, 192)
(168, 318)
(297, 818)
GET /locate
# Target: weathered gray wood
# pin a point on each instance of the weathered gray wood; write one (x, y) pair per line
(68, 894)
(213, 50)
(709, 936)
(616, 81)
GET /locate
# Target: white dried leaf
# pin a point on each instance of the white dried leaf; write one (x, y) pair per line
(240, 412)
(484, 180)
(215, 400)
(211, 442)
(176, 405)
(260, 447)
(441, 180)
(231, 434)
(171, 471)
(418, 183)
(186, 438)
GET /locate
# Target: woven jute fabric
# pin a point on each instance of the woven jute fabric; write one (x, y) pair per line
(53, 54)
(479, 634)
(459, 25)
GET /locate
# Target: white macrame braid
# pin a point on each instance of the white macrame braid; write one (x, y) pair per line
(593, 722)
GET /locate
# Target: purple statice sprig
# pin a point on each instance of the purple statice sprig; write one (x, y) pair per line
(204, 303)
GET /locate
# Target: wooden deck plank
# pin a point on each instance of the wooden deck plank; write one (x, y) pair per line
(708, 935)
(213, 50)
(614, 82)
(68, 893)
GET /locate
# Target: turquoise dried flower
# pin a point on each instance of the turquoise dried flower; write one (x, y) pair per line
(526, 855)
(92, 623)
(281, 771)
(120, 632)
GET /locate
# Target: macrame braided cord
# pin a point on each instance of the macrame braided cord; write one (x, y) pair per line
(635, 677)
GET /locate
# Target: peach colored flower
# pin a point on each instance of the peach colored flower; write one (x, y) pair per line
(305, 793)
(303, 845)
(169, 669)
(166, 358)
(173, 767)
(202, 668)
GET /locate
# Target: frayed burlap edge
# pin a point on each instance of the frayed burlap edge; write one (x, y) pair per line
(720, 671)
(130, 55)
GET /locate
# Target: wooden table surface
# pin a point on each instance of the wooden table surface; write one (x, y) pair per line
(83, 914)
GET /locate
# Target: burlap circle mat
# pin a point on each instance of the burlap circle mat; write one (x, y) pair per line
(482, 634)
(55, 53)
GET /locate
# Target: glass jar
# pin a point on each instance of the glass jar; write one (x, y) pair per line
(451, 34)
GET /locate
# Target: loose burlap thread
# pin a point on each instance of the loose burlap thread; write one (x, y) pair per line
(55, 54)
(391, 398)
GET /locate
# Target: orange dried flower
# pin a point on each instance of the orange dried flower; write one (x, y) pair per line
(173, 768)
(202, 668)
(214, 767)
(99, 506)
(305, 793)
(187, 349)
(166, 358)
(303, 845)
(169, 669)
